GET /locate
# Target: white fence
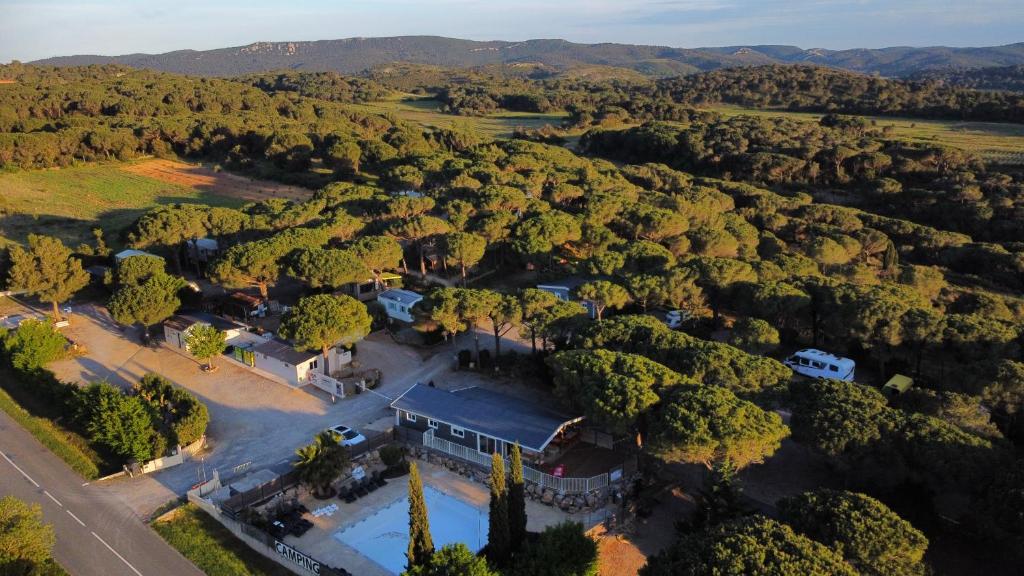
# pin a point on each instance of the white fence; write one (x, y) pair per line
(544, 480)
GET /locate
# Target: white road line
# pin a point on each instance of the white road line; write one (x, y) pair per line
(27, 477)
(50, 496)
(126, 563)
(77, 519)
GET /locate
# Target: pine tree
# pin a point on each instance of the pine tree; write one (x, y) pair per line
(890, 259)
(498, 545)
(421, 545)
(516, 501)
(719, 499)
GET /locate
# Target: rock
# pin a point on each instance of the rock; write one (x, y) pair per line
(590, 499)
(547, 497)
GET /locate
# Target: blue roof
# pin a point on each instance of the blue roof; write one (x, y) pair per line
(480, 410)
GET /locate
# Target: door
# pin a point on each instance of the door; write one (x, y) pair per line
(487, 445)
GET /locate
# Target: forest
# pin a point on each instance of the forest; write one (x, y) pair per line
(779, 234)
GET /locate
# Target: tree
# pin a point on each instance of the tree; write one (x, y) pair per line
(835, 416)
(378, 253)
(706, 424)
(603, 294)
(870, 536)
(33, 344)
(516, 500)
(504, 313)
(206, 342)
(646, 289)
(453, 560)
(148, 303)
(542, 235)
(421, 545)
(320, 268)
(754, 335)
(46, 270)
(681, 292)
(118, 422)
(135, 270)
(750, 545)
(614, 389)
(720, 498)
(321, 462)
(499, 545)
(26, 543)
(322, 321)
(259, 263)
(419, 230)
(560, 550)
(464, 249)
(535, 304)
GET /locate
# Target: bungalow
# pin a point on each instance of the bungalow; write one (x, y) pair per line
(201, 250)
(398, 303)
(370, 288)
(481, 420)
(283, 363)
(243, 306)
(176, 328)
(565, 289)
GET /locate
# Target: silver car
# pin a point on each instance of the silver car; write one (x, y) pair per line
(349, 437)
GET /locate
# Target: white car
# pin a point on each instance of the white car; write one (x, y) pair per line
(349, 437)
(675, 318)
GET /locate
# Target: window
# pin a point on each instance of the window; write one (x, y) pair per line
(432, 423)
(410, 416)
(458, 432)
(833, 368)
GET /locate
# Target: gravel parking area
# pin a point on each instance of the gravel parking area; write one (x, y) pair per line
(254, 422)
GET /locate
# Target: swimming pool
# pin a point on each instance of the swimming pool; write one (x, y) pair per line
(384, 536)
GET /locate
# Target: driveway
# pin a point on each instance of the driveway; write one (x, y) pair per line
(254, 422)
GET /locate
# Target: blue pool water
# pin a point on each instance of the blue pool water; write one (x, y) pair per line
(384, 536)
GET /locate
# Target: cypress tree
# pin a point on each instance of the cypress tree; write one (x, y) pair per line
(498, 533)
(421, 545)
(516, 501)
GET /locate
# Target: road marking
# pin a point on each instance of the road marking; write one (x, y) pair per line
(77, 519)
(27, 477)
(85, 483)
(50, 496)
(126, 563)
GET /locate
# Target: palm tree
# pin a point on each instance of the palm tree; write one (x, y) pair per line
(321, 462)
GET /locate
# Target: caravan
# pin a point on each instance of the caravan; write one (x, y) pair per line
(817, 364)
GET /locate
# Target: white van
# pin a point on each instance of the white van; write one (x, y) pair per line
(817, 364)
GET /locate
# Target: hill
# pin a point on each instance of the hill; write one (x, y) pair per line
(995, 78)
(353, 55)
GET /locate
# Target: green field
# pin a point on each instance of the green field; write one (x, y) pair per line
(69, 202)
(426, 112)
(992, 141)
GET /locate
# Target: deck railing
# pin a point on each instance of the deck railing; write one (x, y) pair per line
(542, 479)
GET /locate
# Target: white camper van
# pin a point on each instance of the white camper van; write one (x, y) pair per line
(817, 364)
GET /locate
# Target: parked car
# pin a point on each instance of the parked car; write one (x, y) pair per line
(817, 364)
(349, 437)
(675, 318)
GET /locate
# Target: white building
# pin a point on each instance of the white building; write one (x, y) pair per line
(286, 364)
(176, 328)
(129, 253)
(398, 303)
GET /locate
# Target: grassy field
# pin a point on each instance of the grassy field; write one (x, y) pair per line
(211, 547)
(426, 112)
(992, 141)
(69, 202)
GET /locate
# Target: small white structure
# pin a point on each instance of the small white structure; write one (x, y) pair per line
(202, 249)
(817, 364)
(129, 253)
(177, 327)
(565, 289)
(398, 303)
(285, 363)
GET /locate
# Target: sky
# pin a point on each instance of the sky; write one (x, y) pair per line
(33, 29)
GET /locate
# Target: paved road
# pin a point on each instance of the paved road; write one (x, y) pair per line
(97, 535)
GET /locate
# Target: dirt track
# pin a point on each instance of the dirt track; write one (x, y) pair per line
(221, 183)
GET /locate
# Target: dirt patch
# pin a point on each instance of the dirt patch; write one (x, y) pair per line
(209, 180)
(617, 555)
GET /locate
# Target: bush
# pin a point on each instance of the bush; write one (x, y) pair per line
(177, 413)
(562, 550)
(392, 454)
(33, 344)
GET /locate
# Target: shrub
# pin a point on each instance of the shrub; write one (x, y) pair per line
(562, 550)
(33, 344)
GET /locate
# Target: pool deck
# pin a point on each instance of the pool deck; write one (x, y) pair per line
(321, 544)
